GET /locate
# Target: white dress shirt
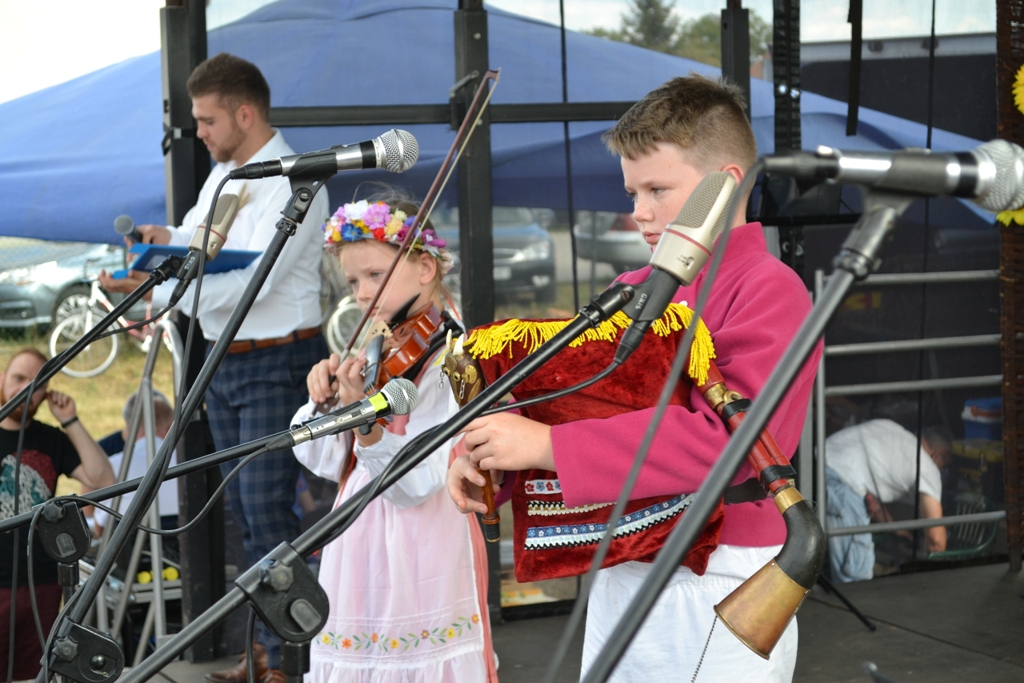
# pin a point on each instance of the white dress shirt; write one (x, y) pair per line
(290, 298)
(878, 457)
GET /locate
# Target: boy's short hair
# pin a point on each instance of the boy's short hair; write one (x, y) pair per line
(703, 116)
(234, 80)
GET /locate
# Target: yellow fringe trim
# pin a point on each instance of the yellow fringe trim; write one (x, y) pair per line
(488, 342)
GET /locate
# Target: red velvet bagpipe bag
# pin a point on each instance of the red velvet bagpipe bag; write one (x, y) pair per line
(551, 541)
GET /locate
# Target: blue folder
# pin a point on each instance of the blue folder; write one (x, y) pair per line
(152, 255)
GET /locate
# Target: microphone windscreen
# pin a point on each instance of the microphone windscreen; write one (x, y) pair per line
(223, 218)
(1007, 193)
(124, 225)
(401, 150)
(402, 395)
(701, 203)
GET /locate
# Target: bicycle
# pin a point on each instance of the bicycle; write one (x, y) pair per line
(100, 354)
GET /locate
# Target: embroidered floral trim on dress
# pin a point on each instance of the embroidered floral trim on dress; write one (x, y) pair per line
(394, 642)
(551, 508)
(543, 487)
(582, 534)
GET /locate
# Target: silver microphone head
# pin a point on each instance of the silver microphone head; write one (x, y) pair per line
(401, 394)
(397, 150)
(1001, 167)
(124, 224)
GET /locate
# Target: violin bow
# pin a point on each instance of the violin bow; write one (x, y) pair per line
(469, 124)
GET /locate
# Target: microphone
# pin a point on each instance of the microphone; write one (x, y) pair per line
(396, 150)
(682, 252)
(125, 226)
(991, 175)
(223, 218)
(398, 397)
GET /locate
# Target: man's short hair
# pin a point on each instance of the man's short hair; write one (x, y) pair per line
(703, 116)
(234, 80)
(163, 413)
(27, 350)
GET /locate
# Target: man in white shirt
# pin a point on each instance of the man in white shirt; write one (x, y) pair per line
(868, 466)
(262, 381)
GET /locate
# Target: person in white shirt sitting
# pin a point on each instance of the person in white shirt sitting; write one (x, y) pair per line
(167, 500)
(868, 466)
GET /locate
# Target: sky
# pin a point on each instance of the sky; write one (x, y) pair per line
(46, 42)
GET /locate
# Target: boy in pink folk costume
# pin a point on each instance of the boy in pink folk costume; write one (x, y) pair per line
(668, 142)
(407, 581)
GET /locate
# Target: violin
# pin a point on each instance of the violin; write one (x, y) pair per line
(402, 353)
(407, 343)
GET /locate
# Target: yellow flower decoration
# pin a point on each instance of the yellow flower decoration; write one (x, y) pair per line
(327, 639)
(451, 633)
(394, 643)
(1018, 90)
(1007, 217)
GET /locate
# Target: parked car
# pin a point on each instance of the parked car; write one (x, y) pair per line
(45, 281)
(612, 238)
(524, 254)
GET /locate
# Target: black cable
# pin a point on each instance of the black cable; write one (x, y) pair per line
(195, 300)
(135, 326)
(17, 532)
(526, 403)
(250, 633)
(199, 515)
(568, 166)
(682, 353)
(32, 578)
(924, 295)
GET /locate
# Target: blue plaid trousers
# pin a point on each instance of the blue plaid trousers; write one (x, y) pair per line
(254, 394)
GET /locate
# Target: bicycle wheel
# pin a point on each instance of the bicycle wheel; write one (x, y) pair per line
(95, 357)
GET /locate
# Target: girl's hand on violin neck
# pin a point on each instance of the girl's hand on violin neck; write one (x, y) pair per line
(332, 378)
(319, 379)
(350, 380)
(464, 484)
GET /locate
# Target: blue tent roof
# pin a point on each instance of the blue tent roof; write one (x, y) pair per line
(74, 156)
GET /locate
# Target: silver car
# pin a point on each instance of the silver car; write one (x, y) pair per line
(612, 238)
(43, 281)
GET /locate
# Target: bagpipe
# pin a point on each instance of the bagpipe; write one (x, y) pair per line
(551, 540)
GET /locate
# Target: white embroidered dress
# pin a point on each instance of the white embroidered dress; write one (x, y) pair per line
(404, 602)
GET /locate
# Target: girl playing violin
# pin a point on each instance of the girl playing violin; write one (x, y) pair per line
(407, 581)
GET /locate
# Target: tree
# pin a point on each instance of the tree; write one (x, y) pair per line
(651, 24)
(701, 39)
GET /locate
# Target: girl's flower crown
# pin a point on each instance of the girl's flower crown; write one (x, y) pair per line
(363, 221)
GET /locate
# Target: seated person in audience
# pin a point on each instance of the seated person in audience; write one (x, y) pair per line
(868, 466)
(46, 453)
(167, 500)
(163, 415)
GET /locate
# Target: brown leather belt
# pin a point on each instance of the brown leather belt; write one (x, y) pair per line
(256, 344)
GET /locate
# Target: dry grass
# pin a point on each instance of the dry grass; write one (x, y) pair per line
(98, 399)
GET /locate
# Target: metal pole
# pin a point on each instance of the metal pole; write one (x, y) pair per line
(820, 501)
(155, 540)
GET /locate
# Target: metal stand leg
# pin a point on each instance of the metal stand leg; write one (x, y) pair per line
(67, 577)
(831, 588)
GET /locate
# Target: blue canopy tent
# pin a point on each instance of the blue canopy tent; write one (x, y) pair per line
(76, 155)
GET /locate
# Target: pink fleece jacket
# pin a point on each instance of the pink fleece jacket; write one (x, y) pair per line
(756, 306)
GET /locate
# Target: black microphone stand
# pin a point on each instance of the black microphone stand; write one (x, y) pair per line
(281, 587)
(856, 260)
(83, 653)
